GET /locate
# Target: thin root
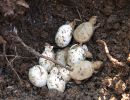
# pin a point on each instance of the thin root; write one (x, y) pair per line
(10, 63)
(79, 13)
(113, 60)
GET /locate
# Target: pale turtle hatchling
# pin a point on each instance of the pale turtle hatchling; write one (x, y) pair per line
(84, 31)
(84, 69)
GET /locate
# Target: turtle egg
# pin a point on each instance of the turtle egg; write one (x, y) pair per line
(65, 74)
(61, 56)
(38, 76)
(55, 81)
(76, 53)
(48, 52)
(64, 35)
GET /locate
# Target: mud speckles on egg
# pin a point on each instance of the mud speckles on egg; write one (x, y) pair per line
(65, 74)
(76, 53)
(64, 35)
(55, 80)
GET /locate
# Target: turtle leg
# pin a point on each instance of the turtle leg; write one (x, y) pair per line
(77, 82)
(73, 23)
(88, 54)
(80, 44)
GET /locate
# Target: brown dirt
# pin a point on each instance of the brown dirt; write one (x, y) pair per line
(38, 25)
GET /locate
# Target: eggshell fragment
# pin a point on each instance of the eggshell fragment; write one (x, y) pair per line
(38, 76)
(48, 52)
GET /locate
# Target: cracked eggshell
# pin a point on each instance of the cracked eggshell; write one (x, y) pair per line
(61, 56)
(65, 74)
(76, 54)
(55, 81)
(82, 70)
(84, 31)
(64, 35)
(38, 76)
(48, 52)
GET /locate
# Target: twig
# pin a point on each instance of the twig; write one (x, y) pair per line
(1, 55)
(15, 37)
(79, 13)
(10, 63)
(113, 60)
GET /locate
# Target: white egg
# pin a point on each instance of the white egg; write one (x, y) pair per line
(64, 35)
(38, 76)
(61, 56)
(65, 74)
(48, 52)
(76, 53)
(55, 81)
